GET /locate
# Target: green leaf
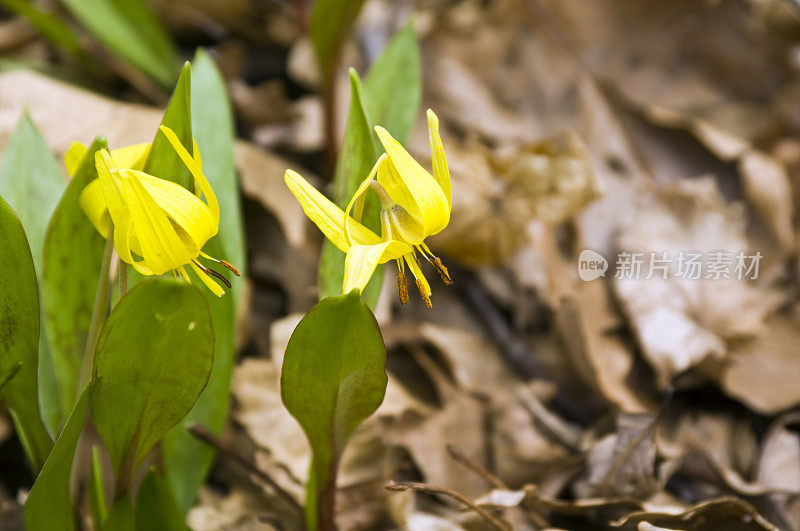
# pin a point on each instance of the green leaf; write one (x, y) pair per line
(330, 22)
(153, 359)
(156, 508)
(163, 161)
(50, 26)
(187, 460)
(97, 495)
(19, 337)
(129, 29)
(358, 155)
(49, 504)
(10, 373)
(121, 517)
(393, 86)
(73, 251)
(333, 378)
(32, 183)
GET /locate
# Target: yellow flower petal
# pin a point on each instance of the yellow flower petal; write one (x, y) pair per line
(162, 248)
(412, 187)
(441, 172)
(131, 157)
(187, 212)
(362, 188)
(73, 157)
(362, 260)
(110, 185)
(326, 215)
(194, 169)
(94, 205)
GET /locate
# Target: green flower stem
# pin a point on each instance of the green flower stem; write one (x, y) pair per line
(98, 313)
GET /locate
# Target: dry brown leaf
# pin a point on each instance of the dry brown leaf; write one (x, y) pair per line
(767, 187)
(680, 322)
(460, 421)
(763, 372)
(238, 510)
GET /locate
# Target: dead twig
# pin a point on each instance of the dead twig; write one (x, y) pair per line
(475, 466)
(223, 448)
(400, 486)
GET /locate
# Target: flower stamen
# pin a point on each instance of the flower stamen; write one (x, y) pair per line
(211, 272)
(442, 270)
(402, 287)
(425, 297)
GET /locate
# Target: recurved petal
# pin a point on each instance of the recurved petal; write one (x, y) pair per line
(187, 212)
(131, 157)
(162, 248)
(94, 205)
(412, 187)
(110, 185)
(73, 157)
(194, 169)
(441, 172)
(362, 189)
(125, 242)
(326, 215)
(362, 260)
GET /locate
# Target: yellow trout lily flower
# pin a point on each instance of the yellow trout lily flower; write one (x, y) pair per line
(155, 219)
(414, 205)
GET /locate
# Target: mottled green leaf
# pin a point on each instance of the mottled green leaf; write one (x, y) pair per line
(333, 378)
(132, 31)
(156, 508)
(19, 337)
(187, 460)
(153, 359)
(73, 250)
(49, 504)
(358, 155)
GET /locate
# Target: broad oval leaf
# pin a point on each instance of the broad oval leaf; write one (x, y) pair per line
(153, 359)
(73, 251)
(333, 378)
(19, 336)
